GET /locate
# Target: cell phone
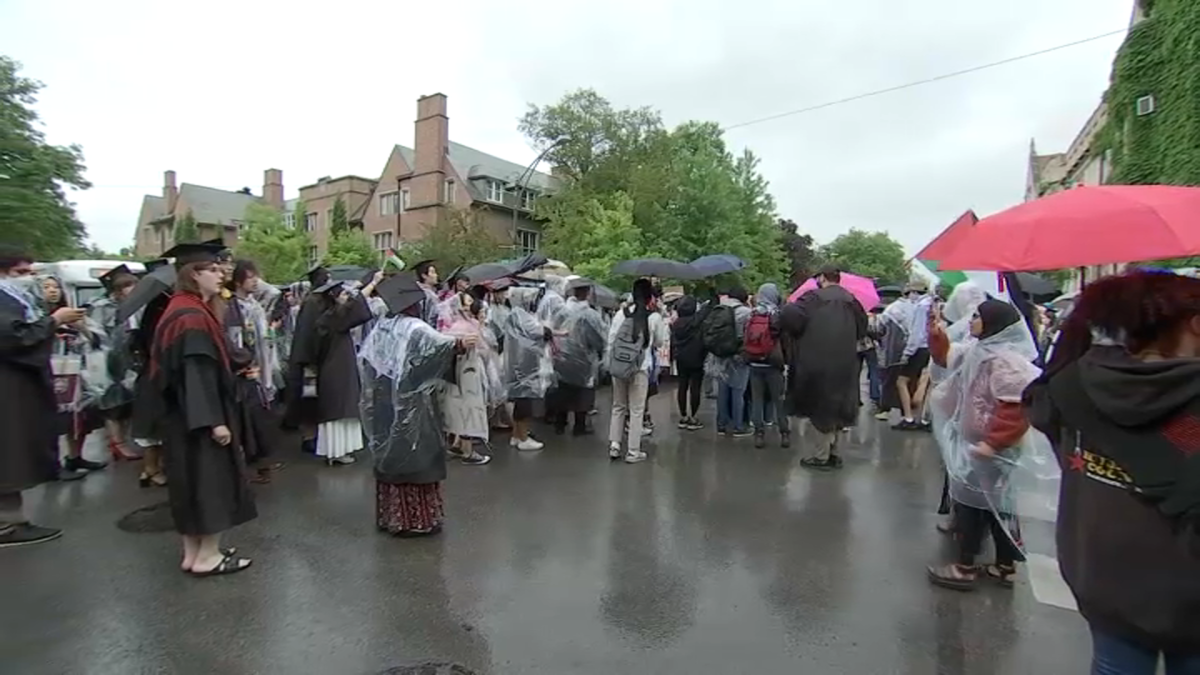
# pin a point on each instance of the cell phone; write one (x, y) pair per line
(86, 306)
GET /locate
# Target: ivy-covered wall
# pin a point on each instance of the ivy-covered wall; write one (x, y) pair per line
(1160, 57)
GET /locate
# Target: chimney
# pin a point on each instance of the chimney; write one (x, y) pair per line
(273, 188)
(431, 145)
(170, 192)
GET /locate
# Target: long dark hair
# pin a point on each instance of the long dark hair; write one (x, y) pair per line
(643, 291)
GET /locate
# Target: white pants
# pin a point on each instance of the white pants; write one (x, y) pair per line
(629, 399)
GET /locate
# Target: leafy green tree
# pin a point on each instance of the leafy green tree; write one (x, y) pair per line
(280, 252)
(868, 254)
(34, 211)
(186, 230)
(93, 252)
(597, 232)
(800, 252)
(338, 220)
(689, 195)
(461, 238)
(351, 247)
(299, 214)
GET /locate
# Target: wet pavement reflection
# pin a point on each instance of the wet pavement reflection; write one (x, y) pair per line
(712, 557)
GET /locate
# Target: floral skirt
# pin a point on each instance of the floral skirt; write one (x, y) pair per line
(408, 508)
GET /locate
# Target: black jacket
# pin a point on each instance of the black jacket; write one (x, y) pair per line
(687, 336)
(1127, 435)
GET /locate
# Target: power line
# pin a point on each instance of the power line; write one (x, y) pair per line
(918, 83)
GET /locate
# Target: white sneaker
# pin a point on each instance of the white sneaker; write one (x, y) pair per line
(529, 445)
(614, 451)
(344, 459)
(635, 457)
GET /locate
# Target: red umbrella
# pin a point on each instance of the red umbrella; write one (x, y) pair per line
(1084, 226)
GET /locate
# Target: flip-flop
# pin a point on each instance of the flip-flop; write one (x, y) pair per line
(228, 565)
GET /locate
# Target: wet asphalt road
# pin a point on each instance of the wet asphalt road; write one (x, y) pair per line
(712, 557)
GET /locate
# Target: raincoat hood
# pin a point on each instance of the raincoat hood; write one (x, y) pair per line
(767, 298)
(686, 306)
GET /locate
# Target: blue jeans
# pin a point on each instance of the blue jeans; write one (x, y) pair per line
(874, 383)
(731, 399)
(1112, 655)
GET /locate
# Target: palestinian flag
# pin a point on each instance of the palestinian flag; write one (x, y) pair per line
(925, 264)
(390, 258)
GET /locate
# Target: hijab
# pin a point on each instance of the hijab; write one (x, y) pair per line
(996, 315)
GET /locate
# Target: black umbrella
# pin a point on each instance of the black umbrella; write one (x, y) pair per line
(718, 263)
(657, 267)
(149, 287)
(889, 290)
(605, 297)
(1037, 285)
(485, 272)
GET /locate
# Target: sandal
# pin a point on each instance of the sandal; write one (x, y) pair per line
(955, 577)
(1002, 574)
(228, 565)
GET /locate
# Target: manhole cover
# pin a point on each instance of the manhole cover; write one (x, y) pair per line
(430, 668)
(153, 518)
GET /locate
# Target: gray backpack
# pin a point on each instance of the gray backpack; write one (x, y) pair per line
(626, 355)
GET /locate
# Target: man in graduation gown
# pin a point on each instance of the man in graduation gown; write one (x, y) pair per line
(190, 372)
(823, 329)
(427, 279)
(28, 429)
(304, 354)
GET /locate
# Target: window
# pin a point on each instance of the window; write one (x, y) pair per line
(1145, 105)
(289, 220)
(527, 200)
(448, 191)
(313, 255)
(528, 240)
(389, 203)
(382, 241)
(495, 191)
(310, 222)
(404, 199)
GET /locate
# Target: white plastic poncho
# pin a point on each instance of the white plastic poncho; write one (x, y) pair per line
(403, 363)
(580, 340)
(1019, 480)
(467, 401)
(79, 361)
(895, 320)
(959, 310)
(529, 370)
(255, 336)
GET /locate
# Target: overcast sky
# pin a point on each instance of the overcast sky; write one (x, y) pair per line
(219, 91)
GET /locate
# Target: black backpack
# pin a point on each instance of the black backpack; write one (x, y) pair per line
(720, 332)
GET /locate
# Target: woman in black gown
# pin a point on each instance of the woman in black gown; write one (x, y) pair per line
(191, 374)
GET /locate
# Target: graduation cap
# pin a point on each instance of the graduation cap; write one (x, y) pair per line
(456, 275)
(368, 277)
(152, 265)
(110, 278)
(317, 275)
(419, 267)
(329, 286)
(225, 253)
(184, 254)
(400, 291)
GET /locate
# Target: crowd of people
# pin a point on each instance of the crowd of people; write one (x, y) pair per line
(210, 378)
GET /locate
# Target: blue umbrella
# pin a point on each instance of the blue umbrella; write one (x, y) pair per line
(657, 267)
(718, 263)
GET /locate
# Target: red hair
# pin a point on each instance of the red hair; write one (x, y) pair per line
(1142, 308)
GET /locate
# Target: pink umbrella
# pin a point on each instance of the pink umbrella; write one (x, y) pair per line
(861, 288)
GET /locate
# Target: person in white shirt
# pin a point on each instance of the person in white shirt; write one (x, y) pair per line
(637, 331)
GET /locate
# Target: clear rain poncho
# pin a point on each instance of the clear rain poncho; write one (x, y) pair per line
(895, 320)
(528, 368)
(403, 364)
(79, 361)
(579, 343)
(256, 337)
(958, 311)
(1021, 480)
(553, 299)
(477, 388)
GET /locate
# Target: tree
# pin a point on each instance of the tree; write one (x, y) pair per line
(93, 252)
(800, 251)
(868, 254)
(279, 251)
(351, 247)
(300, 216)
(688, 195)
(186, 230)
(459, 239)
(338, 220)
(597, 232)
(34, 212)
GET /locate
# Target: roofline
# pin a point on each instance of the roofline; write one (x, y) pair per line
(334, 180)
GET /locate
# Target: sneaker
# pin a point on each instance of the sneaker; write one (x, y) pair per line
(81, 464)
(66, 475)
(695, 425)
(925, 426)
(906, 425)
(476, 460)
(835, 461)
(26, 534)
(883, 416)
(614, 451)
(817, 464)
(742, 433)
(785, 439)
(635, 457)
(344, 460)
(684, 423)
(646, 431)
(530, 445)
(760, 439)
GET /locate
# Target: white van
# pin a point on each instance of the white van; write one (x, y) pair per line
(81, 278)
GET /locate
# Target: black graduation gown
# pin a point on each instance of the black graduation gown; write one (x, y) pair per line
(824, 327)
(338, 388)
(209, 491)
(28, 415)
(305, 351)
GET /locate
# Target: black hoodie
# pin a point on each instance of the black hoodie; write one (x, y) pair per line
(687, 339)
(1127, 434)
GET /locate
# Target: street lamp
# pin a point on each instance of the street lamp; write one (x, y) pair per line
(523, 181)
